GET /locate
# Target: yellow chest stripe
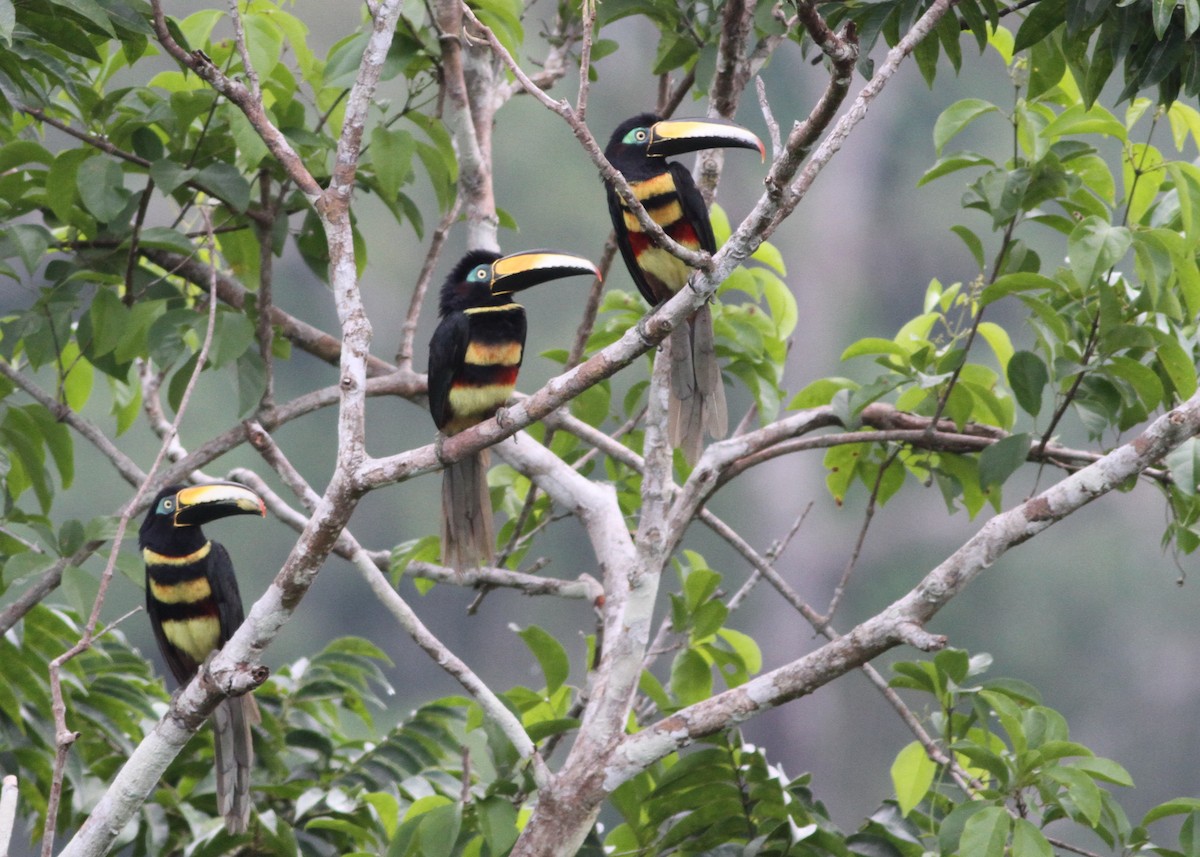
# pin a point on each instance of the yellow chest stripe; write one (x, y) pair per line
(153, 558)
(187, 592)
(663, 215)
(663, 266)
(466, 401)
(481, 309)
(494, 353)
(660, 184)
(196, 637)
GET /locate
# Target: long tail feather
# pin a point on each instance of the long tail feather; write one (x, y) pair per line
(697, 391)
(467, 536)
(708, 374)
(234, 748)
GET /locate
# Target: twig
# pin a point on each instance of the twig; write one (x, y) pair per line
(239, 36)
(772, 554)
(408, 331)
(768, 117)
(868, 516)
(124, 465)
(263, 329)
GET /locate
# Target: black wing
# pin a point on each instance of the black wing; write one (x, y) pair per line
(447, 350)
(223, 583)
(617, 212)
(693, 206)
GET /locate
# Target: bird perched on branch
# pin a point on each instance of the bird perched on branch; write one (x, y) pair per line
(194, 606)
(638, 150)
(474, 356)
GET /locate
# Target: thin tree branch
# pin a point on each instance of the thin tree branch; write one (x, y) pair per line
(244, 100)
(408, 331)
(87, 430)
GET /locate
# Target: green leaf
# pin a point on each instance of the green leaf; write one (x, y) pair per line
(769, 255)
(166, 238)
(1082, 790)
(1042, 20)
(498, 821)
(782, 305)
(997, 338)
(1105, 769)
(225, 182)
(691, 677)
(101, 186)
(972, 241)
(958, 116)
(264, 41)
(1028, 841)
(819, 392)
(438, 830)
(1178, 366)
(744, 647)
(912, 775)
(169, 175)
(1094, 247)
(550, 654)
(29, 241)
(1002, 459)
(233, 335)
(1028, 376)
(1177, 806)
(986, 832)
(391, 156)
(875, 345)
(251, 380)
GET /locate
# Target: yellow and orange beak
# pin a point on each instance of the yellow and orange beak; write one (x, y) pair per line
(519, 271)
(199, 504)
(677, 136)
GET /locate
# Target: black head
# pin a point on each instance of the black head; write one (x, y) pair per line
(628, 148)
(469, 283)
(641, 142)
(174, 518)
(484, 278)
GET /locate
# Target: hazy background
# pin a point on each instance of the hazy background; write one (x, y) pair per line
(1090, 612)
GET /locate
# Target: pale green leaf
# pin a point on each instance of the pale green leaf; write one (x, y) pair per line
(912, 775)
(550, 655)
(986, 832)
(957, 116)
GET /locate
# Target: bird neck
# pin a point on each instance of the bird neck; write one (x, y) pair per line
(176, 542)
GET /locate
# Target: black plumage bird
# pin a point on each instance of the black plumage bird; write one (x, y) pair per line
(638, 150)
(474, 357)
(194, 606)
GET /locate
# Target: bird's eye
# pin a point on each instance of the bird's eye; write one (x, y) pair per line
(480, 273)
(641, 135)
(168, 504)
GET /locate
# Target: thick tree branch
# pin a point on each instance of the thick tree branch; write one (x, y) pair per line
(904, 619)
